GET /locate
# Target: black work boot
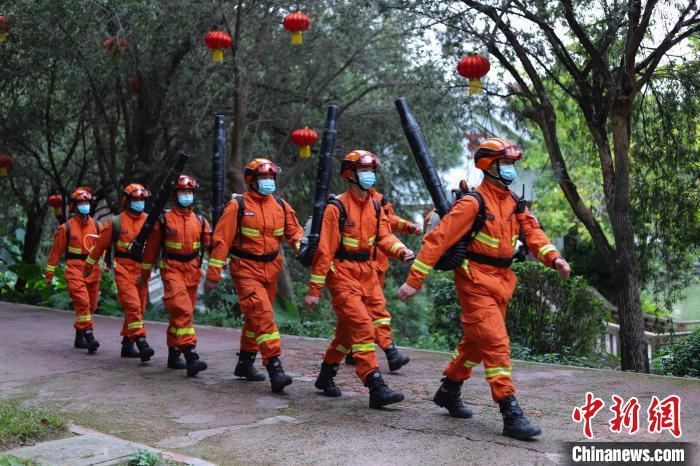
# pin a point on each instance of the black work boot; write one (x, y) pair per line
(129, 348)
(448, 396)
(278, 379)
(246, 368)
(194, 364)
(514, 423)
(90, 343)
(325, 382)
(349, 360)
(79, 340)
(145, 351)
(174, 359)
(379, 393)
(395, 359)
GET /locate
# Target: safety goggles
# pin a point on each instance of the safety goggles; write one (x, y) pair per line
(186, 182)
(369, 159)
(513, 152)
(267, 169)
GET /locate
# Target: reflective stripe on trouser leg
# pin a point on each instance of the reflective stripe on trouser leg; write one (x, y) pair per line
(355, 326)
(132, 299)
(248, 337)
(180, 306)
(339, 347)
(78, 291)
(256, 304)
(381, 318)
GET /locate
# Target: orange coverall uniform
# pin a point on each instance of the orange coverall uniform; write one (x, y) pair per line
(83, 291)
(483, 290)
(131, 297)
(262, 228)
(382, 319)
(355, 291)
(182, 237)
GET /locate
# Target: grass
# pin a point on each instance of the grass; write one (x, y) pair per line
(20, 425)
(9, 460)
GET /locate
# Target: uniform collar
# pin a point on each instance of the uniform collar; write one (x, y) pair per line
(357, 199)
(497, 191)
(258, 197)
(133, 215)
(180, 211)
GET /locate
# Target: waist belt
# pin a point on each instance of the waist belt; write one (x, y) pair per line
(500, 262)
(355, 256)
(181, 257)
(255, 257)
(80, 257)
(122, 254)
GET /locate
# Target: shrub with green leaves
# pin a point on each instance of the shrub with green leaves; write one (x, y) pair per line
(683, 357)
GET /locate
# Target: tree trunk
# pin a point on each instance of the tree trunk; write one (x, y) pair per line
(33, 230)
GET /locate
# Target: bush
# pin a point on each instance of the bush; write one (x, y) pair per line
(683, 357)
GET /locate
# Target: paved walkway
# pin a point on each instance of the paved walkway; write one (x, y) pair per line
(224, 420)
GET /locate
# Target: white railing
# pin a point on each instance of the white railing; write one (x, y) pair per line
(609, 341)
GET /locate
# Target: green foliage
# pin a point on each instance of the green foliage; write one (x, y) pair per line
(148, 458)
(10, 460)
(682, 359)
(20, 424)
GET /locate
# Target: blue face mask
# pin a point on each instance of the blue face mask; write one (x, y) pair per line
(83, 209)
(266, 187)
(366, 179)
(508, 173)
(185, 200)
(138, 206)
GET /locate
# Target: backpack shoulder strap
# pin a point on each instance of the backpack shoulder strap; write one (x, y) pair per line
(377, 209)
(342, 215)
(116, 228)
(239, 217)
(67, 224)
(284, 210)
(480, 219)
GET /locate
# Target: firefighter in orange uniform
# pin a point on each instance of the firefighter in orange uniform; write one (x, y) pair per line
(381, 318)
(181, 236)
(485, 282)
(74, 239)
(119, 232)
(354, 226)
(250, 232)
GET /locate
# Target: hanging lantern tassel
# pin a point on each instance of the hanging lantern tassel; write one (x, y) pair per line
(475, 86)
(305, 152)
(217, 55)
(297, 37)
(5, 164)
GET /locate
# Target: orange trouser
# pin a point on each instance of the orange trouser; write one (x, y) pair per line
(84, 296)
(259, 329)
(355, 331)
(179, 301)
(381, 318)
(131, 297)
(485, 338)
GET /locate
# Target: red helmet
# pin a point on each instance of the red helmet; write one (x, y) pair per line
(134, 191)
(356, 159)
(82, 193)
(495, 149)
(186, 182)
(259, 167)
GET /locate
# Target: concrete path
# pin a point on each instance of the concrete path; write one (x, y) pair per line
(224, 420)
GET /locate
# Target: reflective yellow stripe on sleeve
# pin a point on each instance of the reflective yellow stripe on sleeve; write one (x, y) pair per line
(397, 246)
(75, 250)
(90, 261)
(250, 232)
(385, 321)
(318, 279)
(50, 268)
(544, 250)
(278, 232)
(489, 241)
(196, 245)
(421, 267)
(216, 263)
(372, 239)
(173, 245)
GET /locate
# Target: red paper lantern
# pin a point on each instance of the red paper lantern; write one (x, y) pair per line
(217, 41)
(56, 201)
(304, 138)
(5, 164)
(474, 67)
(114, 46)
(5, 28)
(297, 23)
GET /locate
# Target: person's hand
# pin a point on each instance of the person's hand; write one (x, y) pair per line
(311, 302)
(562, 267)
(407, 255)
(406, 292)
(209, 285)
(141, 280)
(415, 229)
(48, 280)
(87, 270)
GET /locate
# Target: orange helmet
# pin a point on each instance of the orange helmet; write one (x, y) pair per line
(186, 182)
(135, 191)
(495, 149)
(356, 159)
(82, 193)
(259, 167)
